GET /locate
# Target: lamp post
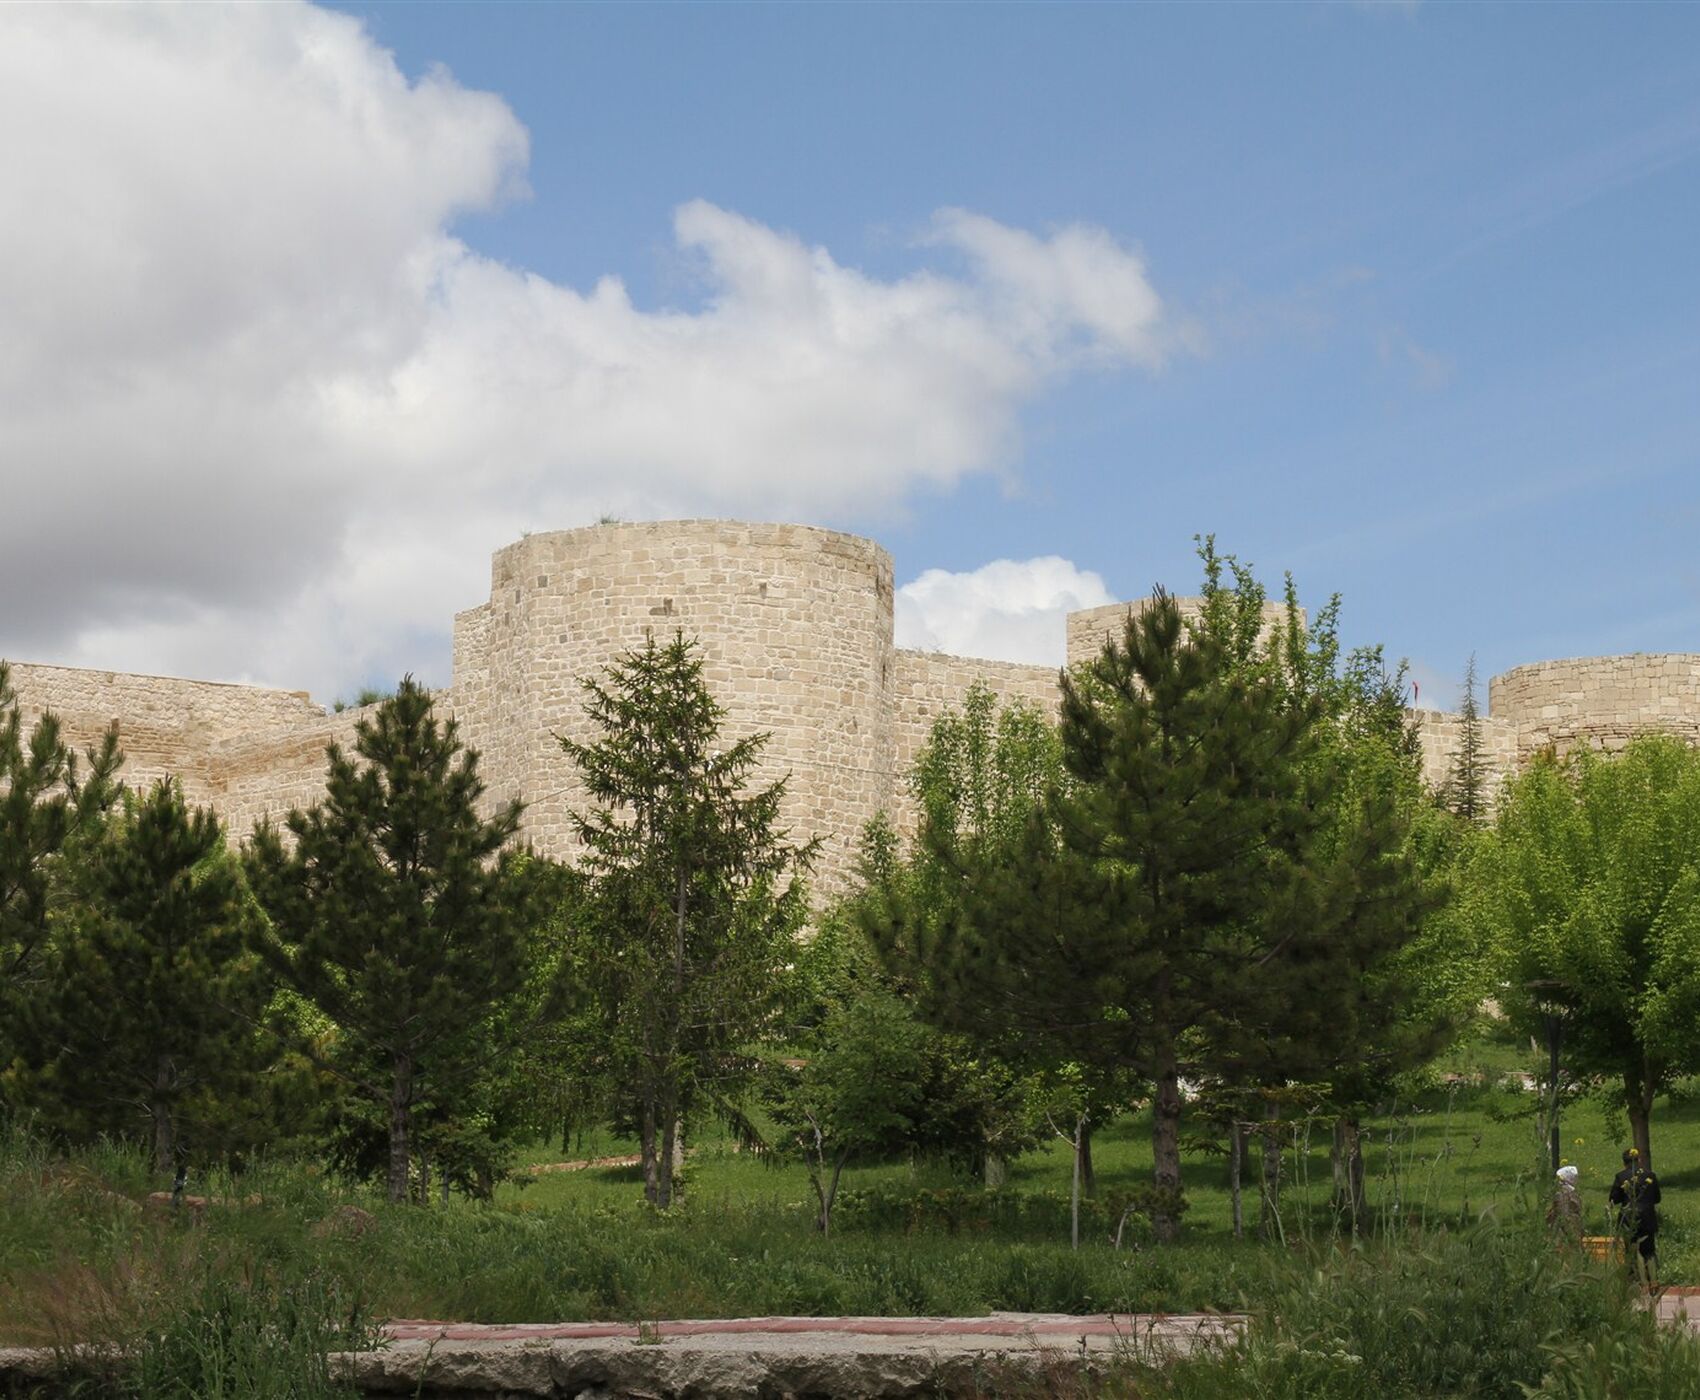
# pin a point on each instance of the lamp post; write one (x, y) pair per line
(1543, 992)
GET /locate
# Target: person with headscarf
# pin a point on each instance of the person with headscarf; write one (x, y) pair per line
(1564, 1214)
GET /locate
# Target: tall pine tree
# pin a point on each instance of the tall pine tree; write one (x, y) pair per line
(397, 912)
(148, 1013)
(1191, 810)
(694, 897)
(1464, 792)
(1334, 1012)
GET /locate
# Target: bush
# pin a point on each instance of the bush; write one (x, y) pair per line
(1489, 1312)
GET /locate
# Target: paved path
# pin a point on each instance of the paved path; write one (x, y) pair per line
(1045, 1328)
(711, 1357)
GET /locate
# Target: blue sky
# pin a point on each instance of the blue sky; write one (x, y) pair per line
(1448, 260)
(1430, 329)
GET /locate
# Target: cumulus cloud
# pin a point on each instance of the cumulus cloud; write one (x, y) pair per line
(1008, 610)
(264, 416)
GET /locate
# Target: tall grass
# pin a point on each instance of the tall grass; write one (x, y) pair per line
(1486, 1312)
(250, 1300)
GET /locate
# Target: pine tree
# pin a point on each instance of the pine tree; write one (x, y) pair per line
(397, 913)
(1113, 926)
(694, 897)
(1335, 1012)
(44, 803)
(1465, 790)
(1191, 809)
(154, 991)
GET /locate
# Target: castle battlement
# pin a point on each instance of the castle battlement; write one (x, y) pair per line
(796, 627)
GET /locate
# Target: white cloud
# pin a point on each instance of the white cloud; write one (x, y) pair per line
(1007, 610)
(262, 415)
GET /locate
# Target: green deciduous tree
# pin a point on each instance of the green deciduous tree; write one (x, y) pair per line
(147, 1014)
(695, 893)
(396, 911)
(848, 1089)
(1589, 886)
(978, 784)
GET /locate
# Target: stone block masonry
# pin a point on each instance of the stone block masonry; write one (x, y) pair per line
(795, 625)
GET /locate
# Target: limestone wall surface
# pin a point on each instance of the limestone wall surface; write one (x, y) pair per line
(261, 779)
(1442, 735)
(795, 626)
(1604, 701)
(166, 726)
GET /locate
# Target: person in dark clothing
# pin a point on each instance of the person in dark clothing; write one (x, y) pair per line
(1635, 1193)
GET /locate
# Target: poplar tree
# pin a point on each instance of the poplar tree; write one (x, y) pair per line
(44, 803)
(983, 776)
(694, 893)
(148, 1011)
(398, 913)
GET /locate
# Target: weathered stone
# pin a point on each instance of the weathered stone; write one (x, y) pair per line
(796, 626)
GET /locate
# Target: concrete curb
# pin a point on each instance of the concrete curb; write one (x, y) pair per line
(754, 1357)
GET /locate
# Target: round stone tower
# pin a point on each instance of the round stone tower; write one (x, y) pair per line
(1604, 701)
(795, 625)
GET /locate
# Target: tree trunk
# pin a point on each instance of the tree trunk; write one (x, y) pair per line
(669, 1143)
(424, 1196)
(1236, 1156)
(676, 1161)
(1270, 1218)
(1638, 1104)
(159, 1109)
(669, 1105)
(1347, 1161)
(829, 1195)
(1166, 1150)
(996, 1171)
(401, 1101)
(1074, 1191)
(646, 1151)
(1088, 1177)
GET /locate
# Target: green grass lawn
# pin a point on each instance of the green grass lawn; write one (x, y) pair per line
(1445, 1159)
(77, 1255)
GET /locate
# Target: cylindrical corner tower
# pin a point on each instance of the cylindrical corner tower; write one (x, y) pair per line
(1600, 700)
(796, 631)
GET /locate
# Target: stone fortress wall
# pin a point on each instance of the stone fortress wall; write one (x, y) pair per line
(796, 629)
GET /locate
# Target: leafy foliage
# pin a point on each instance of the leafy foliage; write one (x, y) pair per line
(1589, 887)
